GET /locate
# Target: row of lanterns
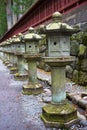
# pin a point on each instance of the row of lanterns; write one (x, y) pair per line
(21, 47)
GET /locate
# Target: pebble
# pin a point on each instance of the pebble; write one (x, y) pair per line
(83, 122)
(47, 99)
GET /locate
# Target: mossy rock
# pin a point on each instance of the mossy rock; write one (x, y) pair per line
(13, 68)
(82, 50)
(57, 115)
(43, 66)
(69, 71)
(83, 65)
(82, 80)
(75, 76)
(84, 40)
(74, 48)
(78, 37)
(16, 75)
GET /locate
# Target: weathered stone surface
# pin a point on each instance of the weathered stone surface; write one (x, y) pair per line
(32, 88)
(75, 76)
(47, 96)
(74, 97)
(84, 94)
(83, 122)
(21, 76)
(77, 99)
(74, 64)
(43, 66)
(82, 78)
(59, 115)
(81, 116)
(84, 128)
(82, 50)
(85, 40)
(47, 99)
(84, 65)
(77, 16)
(74, 48)
(83, 103)
(69, 71)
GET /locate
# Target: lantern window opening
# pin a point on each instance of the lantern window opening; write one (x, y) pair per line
(29, 46)
(54, 43)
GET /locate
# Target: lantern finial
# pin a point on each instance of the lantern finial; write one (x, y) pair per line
(57, 17)
(31, 30)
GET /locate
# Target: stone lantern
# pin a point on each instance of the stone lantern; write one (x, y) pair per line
(8, 50)
(32, 56)
(11, 60)
(6, 53)
(19, 50)
(59, 112)
(3, 52)
(11, 54)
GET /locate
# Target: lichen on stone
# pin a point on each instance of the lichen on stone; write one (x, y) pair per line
(84, 40)
(82, 49)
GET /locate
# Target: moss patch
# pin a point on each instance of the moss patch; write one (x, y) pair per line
(13, 68)
(82, 78)
(32, 89)
(58, 114)
(59, 109)
(82, 49)
(31, 92)
(84, 40)
(20, 77)
(16, 75)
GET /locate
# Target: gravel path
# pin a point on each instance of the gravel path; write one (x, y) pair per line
(17, 111)
(22, 112)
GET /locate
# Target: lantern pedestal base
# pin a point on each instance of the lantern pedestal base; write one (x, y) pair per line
(20, 77)
(6, 62)
(59, 115)
(13, 70)
(32, 88)
(9, 66)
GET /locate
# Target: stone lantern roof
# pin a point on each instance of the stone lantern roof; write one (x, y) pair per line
(17, 38)
(3, 44)
(9, 41)
(57, 25)
(31, 36)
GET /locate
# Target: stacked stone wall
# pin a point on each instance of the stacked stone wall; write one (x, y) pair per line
(77, 71)
(77, 16)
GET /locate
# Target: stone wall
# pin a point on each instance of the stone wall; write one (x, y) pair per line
(77, 16)
(77, 71)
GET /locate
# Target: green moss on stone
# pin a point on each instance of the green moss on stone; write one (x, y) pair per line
(82, 78)
(13, 68)
(58, 114)
(84, 40)
(82, 49)
(59, 109)
(75, 76)
(32, 89)
(31, 92)
(17, 74)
